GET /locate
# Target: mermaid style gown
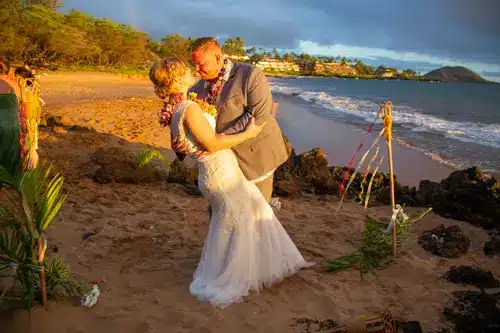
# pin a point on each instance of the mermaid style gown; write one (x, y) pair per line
(246, 248)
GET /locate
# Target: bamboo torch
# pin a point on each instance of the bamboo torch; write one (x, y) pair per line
(386, 108)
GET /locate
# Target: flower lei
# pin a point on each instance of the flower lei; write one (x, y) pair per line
(204, 106)
(167, 110)
(214, 88)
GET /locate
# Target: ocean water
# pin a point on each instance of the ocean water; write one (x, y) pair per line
(456, 124)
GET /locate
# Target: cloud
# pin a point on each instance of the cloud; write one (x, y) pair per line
(435, 32)
(461, 29)
(406, 57)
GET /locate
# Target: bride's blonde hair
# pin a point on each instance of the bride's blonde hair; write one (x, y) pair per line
(165, 76)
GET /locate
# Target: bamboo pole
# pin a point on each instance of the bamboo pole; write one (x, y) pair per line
(387, 121)
(42, 247)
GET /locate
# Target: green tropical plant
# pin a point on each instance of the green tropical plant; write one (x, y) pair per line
(375, 246)
(33, 199)
(147, 155)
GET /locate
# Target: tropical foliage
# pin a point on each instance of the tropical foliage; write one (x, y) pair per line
(30, 202)
(375, 246)
(35, 33)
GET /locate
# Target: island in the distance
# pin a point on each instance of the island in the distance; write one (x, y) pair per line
(455, 74)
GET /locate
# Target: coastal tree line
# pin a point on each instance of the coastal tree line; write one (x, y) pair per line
(34, 32)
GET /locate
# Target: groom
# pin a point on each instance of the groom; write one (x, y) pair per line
(239, 92)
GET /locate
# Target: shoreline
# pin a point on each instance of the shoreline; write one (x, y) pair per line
(58, 91)
(328, 76)
(306, 131)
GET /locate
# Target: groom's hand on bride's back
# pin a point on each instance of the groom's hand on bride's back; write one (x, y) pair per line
(253, 129)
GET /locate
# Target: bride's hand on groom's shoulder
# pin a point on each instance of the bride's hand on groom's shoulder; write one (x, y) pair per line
(253, 129)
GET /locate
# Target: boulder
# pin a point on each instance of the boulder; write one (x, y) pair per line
(492, 246)
(465, 195)
(116, 165)
(473, 276)
(448, 242)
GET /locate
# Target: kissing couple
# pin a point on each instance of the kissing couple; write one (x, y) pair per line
(229, 128)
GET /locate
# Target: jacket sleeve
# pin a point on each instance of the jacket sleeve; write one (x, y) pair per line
(259, 102)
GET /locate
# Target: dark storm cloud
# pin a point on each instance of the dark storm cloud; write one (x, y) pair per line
(259, 22)
(464, 30)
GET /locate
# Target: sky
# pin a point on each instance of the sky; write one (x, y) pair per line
(417, 34)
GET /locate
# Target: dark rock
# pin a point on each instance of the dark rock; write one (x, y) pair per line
(289, 149)
(307, 172)
(116, 165)
(474, 312)
(180, 173)
(312, 163)
(492, 247)
(474, 276)
(465, 195)
(406, 194)
(409, 326)
(287, 188)
(192, 189)
(310, 173)
(51, 121)
(429, 192)
(447, 242)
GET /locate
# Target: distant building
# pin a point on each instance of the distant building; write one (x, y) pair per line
(278, 65)
(236, 57)
(386, 72)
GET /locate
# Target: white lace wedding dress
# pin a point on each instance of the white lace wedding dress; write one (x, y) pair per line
(246, 247)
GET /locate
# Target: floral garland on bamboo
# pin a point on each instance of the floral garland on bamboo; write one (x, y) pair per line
(29, 113)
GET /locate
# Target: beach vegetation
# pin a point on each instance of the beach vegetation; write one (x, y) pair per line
(30, 202)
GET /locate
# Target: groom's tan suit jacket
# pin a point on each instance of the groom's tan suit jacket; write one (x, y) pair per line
(246, 92)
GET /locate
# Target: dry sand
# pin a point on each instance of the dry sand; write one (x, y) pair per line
(149, 238)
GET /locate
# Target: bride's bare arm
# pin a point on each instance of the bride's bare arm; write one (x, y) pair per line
(208, 138)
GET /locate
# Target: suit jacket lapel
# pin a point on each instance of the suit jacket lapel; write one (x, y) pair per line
(227, 88)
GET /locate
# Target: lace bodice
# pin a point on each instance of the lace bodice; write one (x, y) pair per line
(181, 131)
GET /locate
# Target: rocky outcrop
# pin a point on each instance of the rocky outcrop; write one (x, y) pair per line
(309, 173)
(465, 195)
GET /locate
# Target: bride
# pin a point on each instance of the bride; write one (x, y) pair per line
(246, 247)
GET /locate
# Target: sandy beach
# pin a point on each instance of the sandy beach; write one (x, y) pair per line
(148, 237)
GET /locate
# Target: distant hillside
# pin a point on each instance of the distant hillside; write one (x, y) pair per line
(454, 74)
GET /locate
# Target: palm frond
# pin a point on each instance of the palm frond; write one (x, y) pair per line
(35, 197)
(51, 203)
(146, 155)
(375, 248)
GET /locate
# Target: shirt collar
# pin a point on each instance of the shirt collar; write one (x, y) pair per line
(229, 67)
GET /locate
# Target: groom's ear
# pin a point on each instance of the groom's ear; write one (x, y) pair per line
(218, 57)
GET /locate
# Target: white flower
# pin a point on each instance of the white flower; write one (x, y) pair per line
(90, 299)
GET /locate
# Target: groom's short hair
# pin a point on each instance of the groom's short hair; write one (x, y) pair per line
(203, 44)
